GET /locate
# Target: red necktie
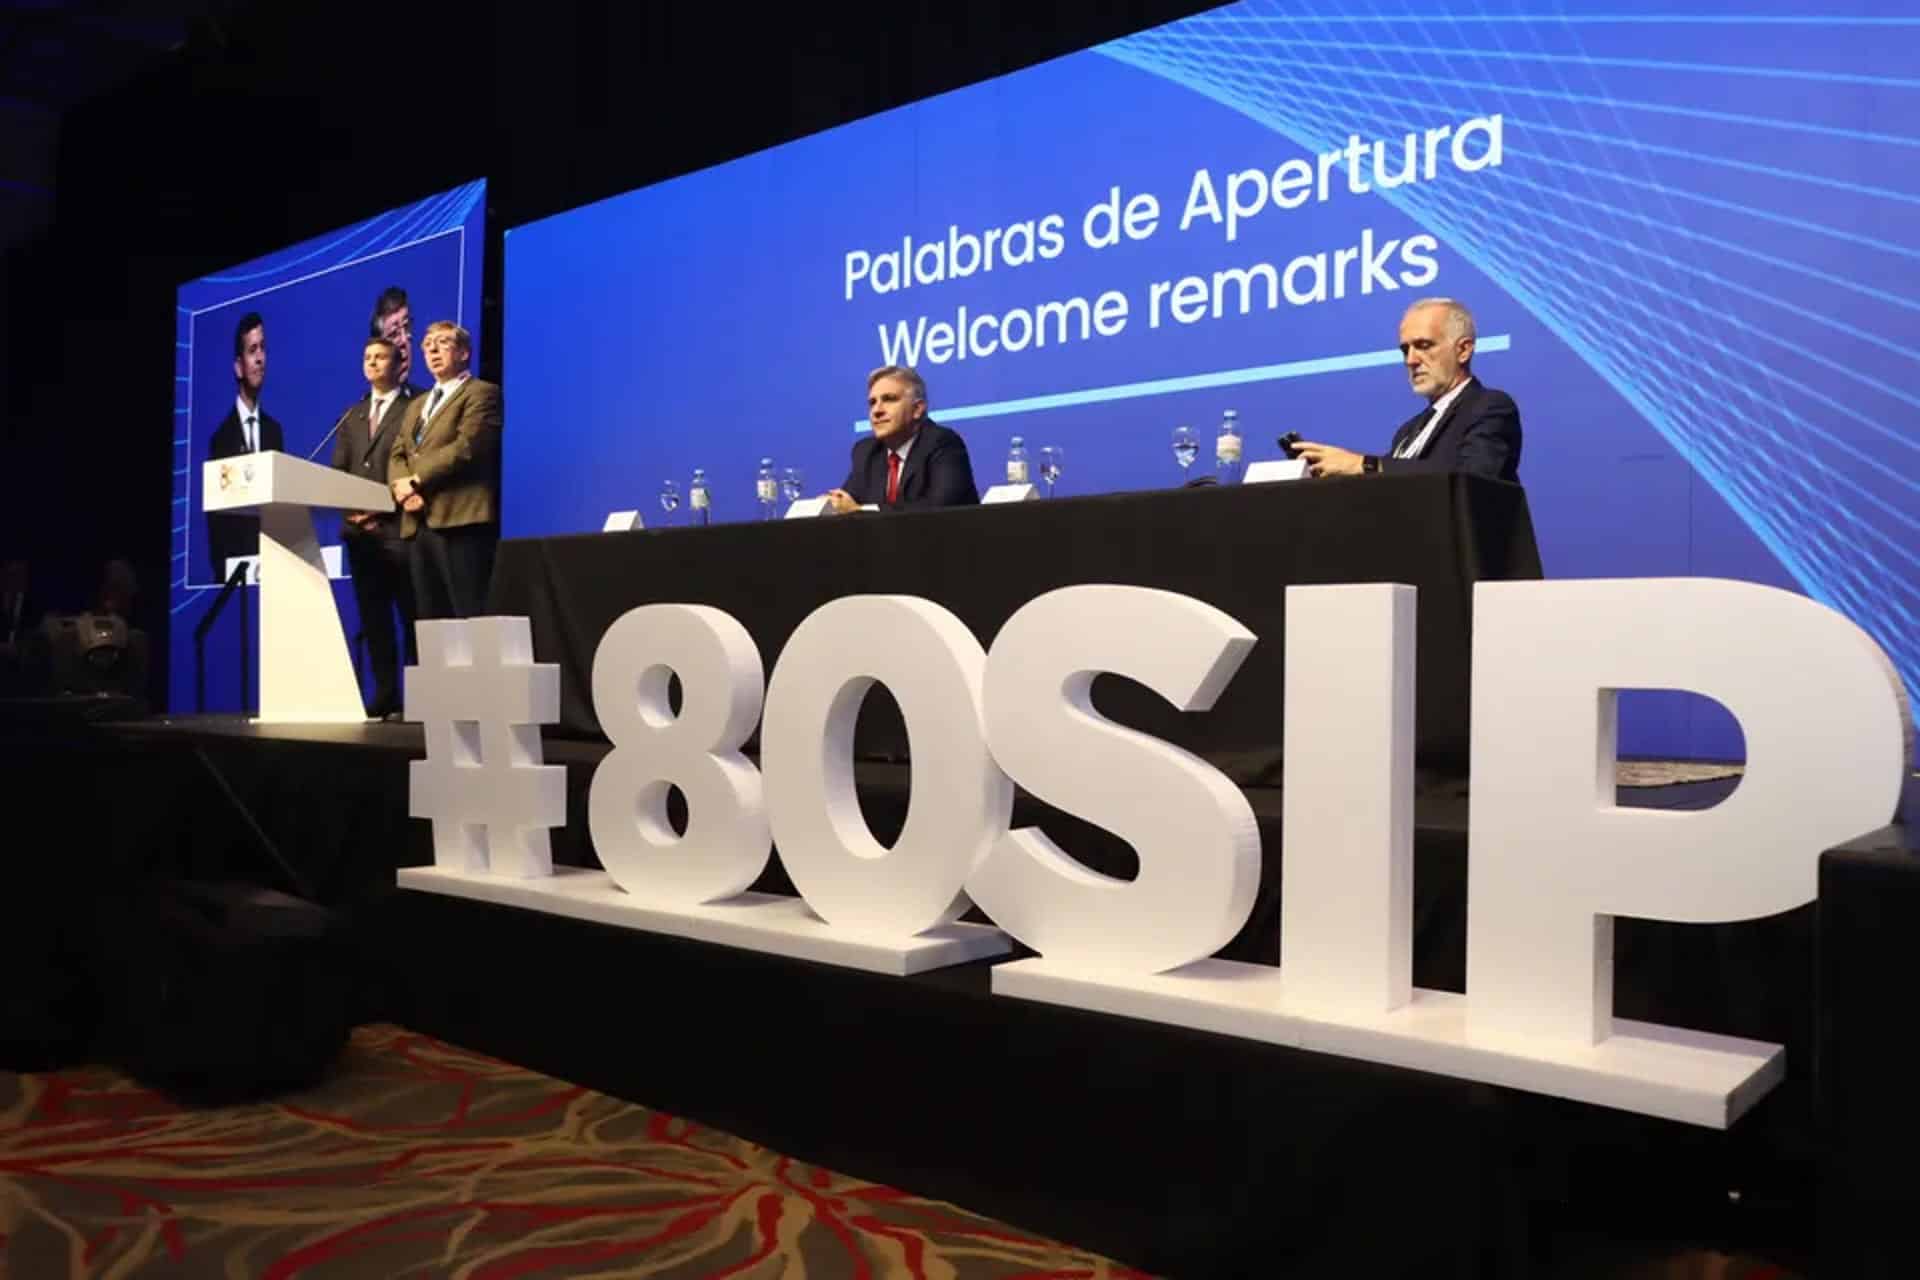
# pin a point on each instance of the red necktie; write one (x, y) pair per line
(893, 477)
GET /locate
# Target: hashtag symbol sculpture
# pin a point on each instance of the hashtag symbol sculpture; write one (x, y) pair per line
(483, 699)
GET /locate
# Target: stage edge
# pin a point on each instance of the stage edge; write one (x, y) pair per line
(767, 923)
(1689, 1076)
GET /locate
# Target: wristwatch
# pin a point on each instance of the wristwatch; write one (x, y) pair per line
(1369, 464)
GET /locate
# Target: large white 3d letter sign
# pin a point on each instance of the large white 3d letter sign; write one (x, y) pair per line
(726, 844)
(1554, 859)
(483, 698)
(1194, 832)
(960, 801)
(1346, 869)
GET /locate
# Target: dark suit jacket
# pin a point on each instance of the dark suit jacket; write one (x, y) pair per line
(237, 533)
(369, 458)
(457, 461)
(937, 472)
(1480, 435)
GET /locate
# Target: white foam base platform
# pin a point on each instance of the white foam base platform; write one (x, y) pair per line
(763, 922)
(1689, 1076)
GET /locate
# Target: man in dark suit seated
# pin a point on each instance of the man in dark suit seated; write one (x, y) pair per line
(1466, 426)
(377, 554)
(910, 462)
(247, 428)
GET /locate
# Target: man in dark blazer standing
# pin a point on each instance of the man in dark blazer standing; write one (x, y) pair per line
(1466, 426)
(910, 462)
(445, 474)
(246, 429)
(376, 553)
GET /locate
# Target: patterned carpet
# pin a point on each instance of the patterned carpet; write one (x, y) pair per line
(420, 1159)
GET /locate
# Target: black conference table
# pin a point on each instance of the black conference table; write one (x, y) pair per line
(1237, 548)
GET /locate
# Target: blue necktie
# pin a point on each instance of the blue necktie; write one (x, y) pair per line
(433, 402)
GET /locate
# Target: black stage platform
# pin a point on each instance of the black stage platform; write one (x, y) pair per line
(1179, 1151)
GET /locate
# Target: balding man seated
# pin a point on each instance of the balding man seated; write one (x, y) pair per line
(1467, 426)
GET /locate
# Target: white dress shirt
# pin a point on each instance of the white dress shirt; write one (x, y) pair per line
(249, 423)
(378, 407)
(1413, 447)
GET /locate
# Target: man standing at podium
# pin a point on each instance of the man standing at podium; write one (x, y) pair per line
(910, 461)
(445, 474)
(1466, 426)
(377, 554)
(246, 429)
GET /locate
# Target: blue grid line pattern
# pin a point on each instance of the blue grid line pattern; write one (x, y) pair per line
(441, 213)
(1647, 64)
(1615, 174)
(1903, 351)
(1756, 326)
(1622, 19)
(1563, 97)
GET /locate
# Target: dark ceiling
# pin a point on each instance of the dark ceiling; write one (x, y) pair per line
(55, 54)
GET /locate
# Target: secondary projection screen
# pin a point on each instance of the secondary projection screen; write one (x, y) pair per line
(1691, 239)
(314, 303)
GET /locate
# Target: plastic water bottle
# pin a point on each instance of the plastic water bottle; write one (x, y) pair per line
(699, 502)
(1017, 462)
(766, 487)
(1226, 449)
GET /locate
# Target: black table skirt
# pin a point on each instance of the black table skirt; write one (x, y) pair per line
(1235, 548)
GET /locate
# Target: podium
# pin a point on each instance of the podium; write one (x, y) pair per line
(306, 672)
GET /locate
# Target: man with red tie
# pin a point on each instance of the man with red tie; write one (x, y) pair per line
(376, 553)
(910, 462)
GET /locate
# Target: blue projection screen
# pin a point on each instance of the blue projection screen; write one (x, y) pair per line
(316, 300)
(1690, 239)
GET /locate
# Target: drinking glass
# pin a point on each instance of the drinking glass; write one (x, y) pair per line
(1052, 459)
(1186, 449)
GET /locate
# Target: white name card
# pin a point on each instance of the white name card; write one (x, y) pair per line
(622, 522)
(807, 508)
(1009, 493)
(1266, 472)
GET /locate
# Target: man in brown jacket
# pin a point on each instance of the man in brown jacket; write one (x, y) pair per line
(445, 474)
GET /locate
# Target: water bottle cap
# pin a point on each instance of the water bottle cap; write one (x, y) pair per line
(1017, 441)
(1232, 413)
(766, 462)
